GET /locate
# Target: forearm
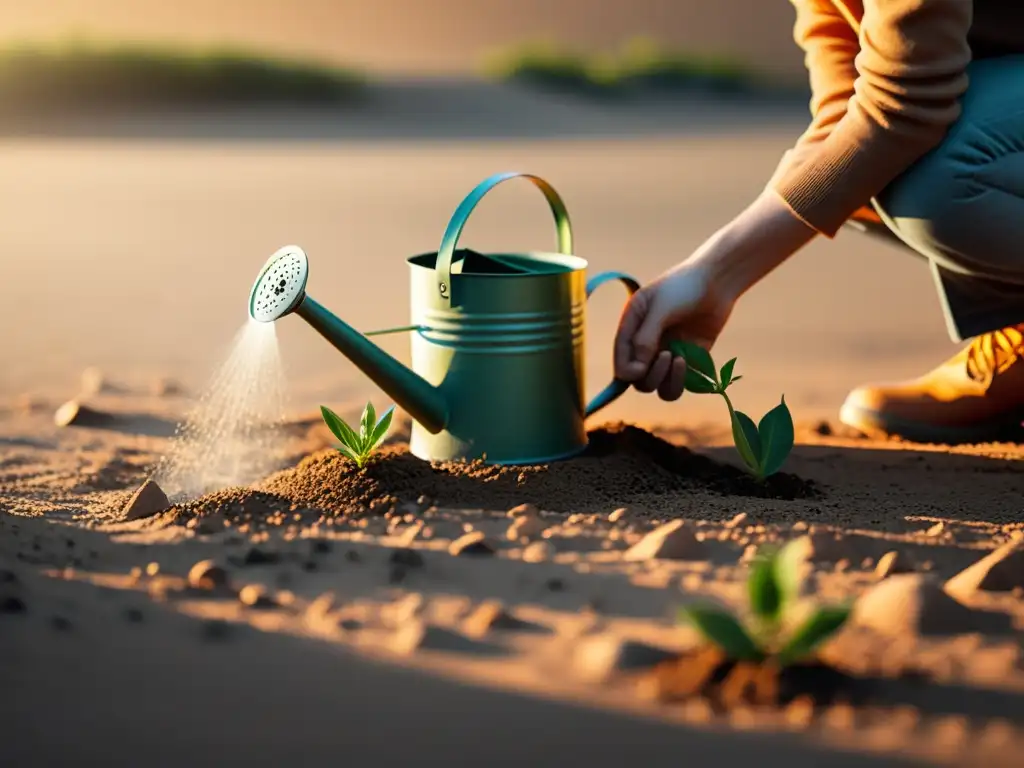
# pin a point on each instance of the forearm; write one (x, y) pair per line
(753, 244)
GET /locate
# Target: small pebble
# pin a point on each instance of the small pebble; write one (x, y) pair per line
(145, 502)
(206, 574)
(538, 552)
(523, 510)
(255, 596)
(618, 515)
(473, 543)
(75, 414)
(891, 563)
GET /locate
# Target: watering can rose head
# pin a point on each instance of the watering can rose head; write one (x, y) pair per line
(359, 446)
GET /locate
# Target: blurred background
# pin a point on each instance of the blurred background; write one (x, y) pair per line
(154, 154)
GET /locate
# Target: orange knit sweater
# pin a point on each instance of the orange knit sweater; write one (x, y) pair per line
(886, 81)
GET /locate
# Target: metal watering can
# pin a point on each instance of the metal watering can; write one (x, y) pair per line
(497, 342)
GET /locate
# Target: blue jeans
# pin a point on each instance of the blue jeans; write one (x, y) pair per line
(961, 206)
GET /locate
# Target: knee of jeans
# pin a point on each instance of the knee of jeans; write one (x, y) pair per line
(929, 204)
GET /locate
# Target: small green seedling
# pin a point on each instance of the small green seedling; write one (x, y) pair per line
(763, 447)
(359, 446)
(773, 588)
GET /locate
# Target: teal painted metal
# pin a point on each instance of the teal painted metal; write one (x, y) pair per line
(497, 346)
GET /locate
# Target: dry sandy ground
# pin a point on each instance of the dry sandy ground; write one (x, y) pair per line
(371, 642)
(361, 636)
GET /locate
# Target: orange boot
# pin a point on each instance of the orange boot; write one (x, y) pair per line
(976, 396)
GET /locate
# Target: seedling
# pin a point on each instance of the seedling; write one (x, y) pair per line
(359, 446)
(763, 447)
(772, 587)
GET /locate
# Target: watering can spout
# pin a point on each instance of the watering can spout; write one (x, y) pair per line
(280, 290)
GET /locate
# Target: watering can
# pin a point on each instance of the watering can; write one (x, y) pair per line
(497, 342)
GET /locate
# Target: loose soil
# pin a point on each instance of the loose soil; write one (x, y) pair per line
(522, 599)
(620, 464)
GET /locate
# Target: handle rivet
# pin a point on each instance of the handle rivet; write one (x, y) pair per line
(443, 288)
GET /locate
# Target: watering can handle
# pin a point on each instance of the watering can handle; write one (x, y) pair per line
(617, 388)
(446, 252)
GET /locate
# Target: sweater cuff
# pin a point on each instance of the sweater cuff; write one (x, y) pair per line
(827, 185)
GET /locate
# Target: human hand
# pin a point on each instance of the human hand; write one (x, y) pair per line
(683, 304)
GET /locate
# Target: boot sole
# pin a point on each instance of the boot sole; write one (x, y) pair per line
(873, 423)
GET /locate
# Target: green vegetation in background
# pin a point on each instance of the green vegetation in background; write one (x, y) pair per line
(641, 62)
(77, 74)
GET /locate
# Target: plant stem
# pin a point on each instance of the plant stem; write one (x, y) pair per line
(738, 434)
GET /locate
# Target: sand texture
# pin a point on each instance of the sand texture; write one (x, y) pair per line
(411, 613)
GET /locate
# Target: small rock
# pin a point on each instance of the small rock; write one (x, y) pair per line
(600, 657)
(913, 603)
(92, 381)
(420, 635)
(736, 521)
(165, 387)
(671, 541)
(524, 510)
(8, 577)
(821, 547)
(60, 623)
(823, 428)
(134, 615)
(409, 558)
(890, 564)
(75, 414)
(1000, 571)
(555, 584)
(146, 501)
(527, 526)
(538, 552)
(491, 614)
(474, 543)
(410, 534)
(206, 574)
(255, 596)
(618, 515)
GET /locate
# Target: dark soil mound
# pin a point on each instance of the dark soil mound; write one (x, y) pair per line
(620, 464)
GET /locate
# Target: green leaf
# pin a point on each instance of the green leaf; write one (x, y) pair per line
(381, 430)
(366, 425)
(721, 628)
(725, 376)
(763, 590)
(818, 627)
(788, 564)
(698, 383)
(777, 437)
(351, 454)
(748, 443)
(734, 380)
(696, 357)
(345, 434)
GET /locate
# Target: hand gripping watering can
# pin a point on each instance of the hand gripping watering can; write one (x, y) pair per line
(497, 344)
